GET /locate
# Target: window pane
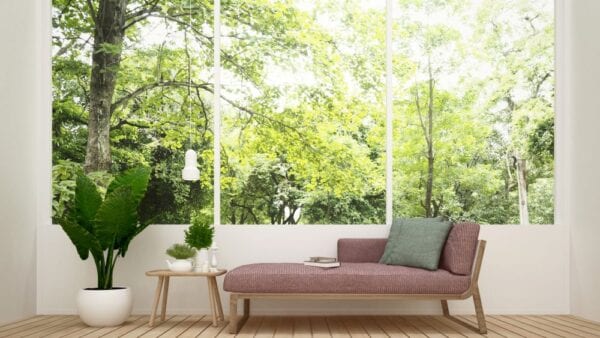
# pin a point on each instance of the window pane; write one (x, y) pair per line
(148, 99)
(473, 111)
(303, 116)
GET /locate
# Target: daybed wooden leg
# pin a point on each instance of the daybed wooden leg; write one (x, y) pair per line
(445, 309)
(479, 311)
(233, 316)
(236, 323)
(246, 307)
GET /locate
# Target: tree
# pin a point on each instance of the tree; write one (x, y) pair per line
(303, 107)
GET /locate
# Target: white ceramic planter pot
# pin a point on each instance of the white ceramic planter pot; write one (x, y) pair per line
(104, 307)
(180, 265)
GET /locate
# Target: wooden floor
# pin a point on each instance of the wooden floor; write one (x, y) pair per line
(334, 326)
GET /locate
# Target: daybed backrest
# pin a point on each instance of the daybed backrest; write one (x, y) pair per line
(360, 250)
(460, 248)
(457, 256)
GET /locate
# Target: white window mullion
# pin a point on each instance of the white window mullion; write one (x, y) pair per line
(217, 113)
(388, 113)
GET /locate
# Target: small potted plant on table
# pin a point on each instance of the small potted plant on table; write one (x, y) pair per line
(182, 254)
(200, 237)
(103, 227)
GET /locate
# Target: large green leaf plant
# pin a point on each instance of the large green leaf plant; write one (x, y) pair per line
(104, 227)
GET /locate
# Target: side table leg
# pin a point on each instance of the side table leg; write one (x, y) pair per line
(211, 297)
(219, 306)
(163, 312)
(159, 286)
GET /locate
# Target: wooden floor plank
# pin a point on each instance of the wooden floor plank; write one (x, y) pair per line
(216, 331)
(442, 328)
(26, 321)
(560, 329)
(82, 332)
(284, 327)
(510, 326)
(159, 330)
(491, 326)
(354, 327)
(388, 327)
(249, 329)
(459, 327)
(315, 326)
(30, 330)
(407, 327)
(129, 326)
(25, 325)
(267, 327)
(196, 329)
(371, 327)
(105, 331)
(180, 327)
(143, 329)
(562, 322)
(578, 321)
(528, 325)
(302, 327)
(427, 329)
(319, 328)
(54, 329)
(337, 327)
(77, 327)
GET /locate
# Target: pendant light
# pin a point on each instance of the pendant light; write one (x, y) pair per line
(190, 172)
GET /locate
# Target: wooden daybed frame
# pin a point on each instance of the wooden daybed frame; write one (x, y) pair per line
(236, 322)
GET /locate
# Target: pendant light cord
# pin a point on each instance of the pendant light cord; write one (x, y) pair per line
(189, 70)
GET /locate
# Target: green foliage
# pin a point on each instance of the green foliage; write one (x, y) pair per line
(303, 114)
(104, 226)
(64, 176)
(181, 251)
(200, 233)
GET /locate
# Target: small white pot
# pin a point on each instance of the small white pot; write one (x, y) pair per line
(104, 307)
(180, 265)
(201, 260)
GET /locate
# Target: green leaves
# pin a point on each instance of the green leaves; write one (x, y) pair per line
(117, 217)
(83, 240)
(105, 226)
(136, 179)
(200, 233)
(87, 202)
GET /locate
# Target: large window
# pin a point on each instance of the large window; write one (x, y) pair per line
(313, 103)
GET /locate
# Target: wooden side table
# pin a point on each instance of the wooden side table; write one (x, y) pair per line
(163, 287)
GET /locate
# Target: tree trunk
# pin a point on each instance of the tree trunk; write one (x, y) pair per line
(430, 156)
(522, 187)
(106, 58)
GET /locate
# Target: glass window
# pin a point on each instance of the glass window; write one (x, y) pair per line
(302, 108)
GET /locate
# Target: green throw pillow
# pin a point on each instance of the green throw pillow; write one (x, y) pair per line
(416, 242)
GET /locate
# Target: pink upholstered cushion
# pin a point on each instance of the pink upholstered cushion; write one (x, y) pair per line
(354, 278)
(360, 250)
(460, 248)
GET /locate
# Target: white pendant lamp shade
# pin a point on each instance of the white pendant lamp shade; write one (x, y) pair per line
(190, 172)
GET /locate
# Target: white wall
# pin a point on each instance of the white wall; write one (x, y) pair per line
(525, 270)
(583, 85)
(20, 105)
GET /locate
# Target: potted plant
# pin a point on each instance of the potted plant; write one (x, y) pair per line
(200, 237)
(182, 254)
(103, 227)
